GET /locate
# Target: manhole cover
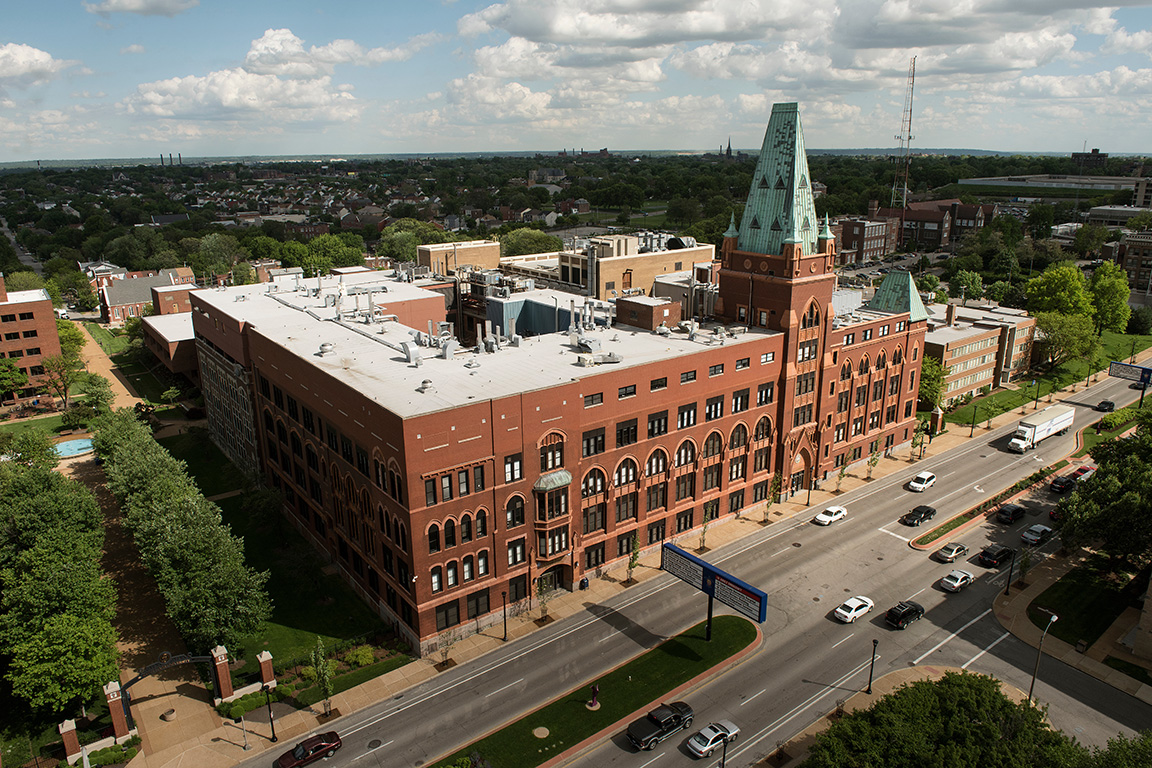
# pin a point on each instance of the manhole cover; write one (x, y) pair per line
(374, 743)
(815, 599)
(880, 558)
(540, 733)
(796, 544)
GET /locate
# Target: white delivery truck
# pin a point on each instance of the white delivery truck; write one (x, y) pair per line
(1042, 424)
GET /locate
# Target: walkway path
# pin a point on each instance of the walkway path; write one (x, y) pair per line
(96, 360)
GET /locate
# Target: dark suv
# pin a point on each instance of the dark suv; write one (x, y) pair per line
(1010, 513)
(919, 515)
(659, 724)
(903, 613)
(995, 556)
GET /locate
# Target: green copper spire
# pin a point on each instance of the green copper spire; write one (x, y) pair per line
(898, 294)
(731, 231)
(825, 231)
(779, 207)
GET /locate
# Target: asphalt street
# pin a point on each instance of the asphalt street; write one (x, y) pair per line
(808, 660)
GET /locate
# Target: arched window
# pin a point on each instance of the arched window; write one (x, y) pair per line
(626, 472)
(657, 463)
(481, 524)
(915, 351)
(514, 512)
(763, 428)
(593, 483)
(437, 579)
(468, 571)
(466, 529)
(297, 446)
(864, 366)
(712, 445)
(811, 318)
(450, 574)
(269, 424)
(449, 534)
(881, 360)
(685, 454)
(897, 356)
(403, 540)
(846, 370)
(434, 538)
(739, 437)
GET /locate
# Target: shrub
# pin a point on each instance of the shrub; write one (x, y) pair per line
(360, 656)
(1116, 418)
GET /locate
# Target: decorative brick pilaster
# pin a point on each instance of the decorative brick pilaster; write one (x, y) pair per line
(267, 676)
(223, 675)
(71, 741)
(116, 709)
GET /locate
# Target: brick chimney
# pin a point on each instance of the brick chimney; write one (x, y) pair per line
(873, 207)
(950, 314)
(3, 288)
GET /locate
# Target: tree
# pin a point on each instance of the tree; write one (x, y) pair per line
(998, 291)
(1088, 240)
(1061, 288)
(60, 373)
(69, 660)
(961, 719)
(1140, 321)
(1109, 291)
(634, 554)
(931, 381)
(33, 448)
(841, 475)
(23, 281)
(1141, 222)
(1040, 219)
(98, 394)
(927, 283)
(72, 339)
(12, 379)
(323, 674)
(683, 210)
(773, 493)
(243, 274)
(543, 597)
(873, 460)
(1064, 337)
(968, 285)
(526, 240)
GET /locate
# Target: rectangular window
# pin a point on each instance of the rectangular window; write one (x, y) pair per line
(518, 588)
(278, 397)
(29, 334)
(657, 496)
(737, 466)
(293, 409)
(736, 501)
(802, 415)
(685, 487)
(656, 532)
(806, 350)
(626, 433)
(874, 420)
(551, 457)
(841, 433)
(686, 416)
(684, 521)
(512, 468)
(594, 555)
(516, 552)
(883, 330)
(890, 414)
(26, 315)
(716, 370)
(764, 393)
(760, 491)
(711, 477)
(447, 615)
(660, 383)
(595, 518)
(908, 409)
(844, 401)
(687, 376)
(626, 507)
(742, 363)
(711, 510)
(713, 408)
(593, 443)
(767, 357)
(446, 487)
(805, 383)
(760, 459)
(877, 390)
(657, 424)
(849, 339)
(624, 544)
(857, 426)
(625, 392)
(862, 395)
(867, 334)
(477, 603)
(463, 486)
(309, 420)
(429, 491)
(740, 401)
(596, 399)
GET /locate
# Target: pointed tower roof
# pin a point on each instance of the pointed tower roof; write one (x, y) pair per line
(780, 207)
(731, 231)
(825, 231)
(898, 294)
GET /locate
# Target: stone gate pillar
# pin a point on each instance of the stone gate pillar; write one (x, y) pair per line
(223, 676)
(116, 709)
(71, 742)
(267, 676)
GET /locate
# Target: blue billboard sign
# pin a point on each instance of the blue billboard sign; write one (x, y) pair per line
(734, 593)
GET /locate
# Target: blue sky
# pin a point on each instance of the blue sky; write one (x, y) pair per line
(137, 78)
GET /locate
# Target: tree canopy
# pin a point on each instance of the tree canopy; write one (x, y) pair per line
(1061, 288)
(1109, 291)
(931, 381)
(525, 240)
(1065, 337)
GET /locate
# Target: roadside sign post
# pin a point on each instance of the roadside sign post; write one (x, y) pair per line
(1137, 373)
(717, 584)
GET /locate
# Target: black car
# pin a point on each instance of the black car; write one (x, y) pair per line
(994, 556)
(919, 515)
(1062, 484)
(1010, 513)
(659, 724)
(1107, 406)
(903, 613)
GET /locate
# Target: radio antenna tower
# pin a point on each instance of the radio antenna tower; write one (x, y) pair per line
(900, 186)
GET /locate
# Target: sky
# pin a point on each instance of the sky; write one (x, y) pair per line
(139, 78)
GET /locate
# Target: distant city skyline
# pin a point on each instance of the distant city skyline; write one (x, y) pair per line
(140, 78)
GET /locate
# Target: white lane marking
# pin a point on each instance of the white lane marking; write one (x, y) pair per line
(786, 549)
(911, 596)
(992, 645)
(751, 697)
(606, 637)
(902, 538)
(372, 750)
(841, 640)
(653, 760)
(504, 688)
(938, 645)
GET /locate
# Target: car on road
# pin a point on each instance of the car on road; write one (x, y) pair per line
(918, 515)
(950, 552)
(712, 737)
(853, 608)
(1010, 513)
(994, 555)
(830, 515)
(310, 750)
(1036, 535)
(922, 482)
(1138, 385)
(903, 613)
(1062, 484)
(1106, 406)
(956, 580)
(659, 724)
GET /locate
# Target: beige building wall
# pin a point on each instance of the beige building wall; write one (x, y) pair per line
(444, 258)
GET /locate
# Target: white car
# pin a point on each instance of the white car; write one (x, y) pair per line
(922, 482)
(712, 737)
(853, 608)
(830, 515)
(1037, 534)
(957, 580)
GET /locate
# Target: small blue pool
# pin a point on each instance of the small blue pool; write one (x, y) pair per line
(70, 448)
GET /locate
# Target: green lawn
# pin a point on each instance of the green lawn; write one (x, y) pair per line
(142, 380)
(1088, 599)
(209, 467)
(1130, 669)
(49, 424)
(112, 344)
(626, 689)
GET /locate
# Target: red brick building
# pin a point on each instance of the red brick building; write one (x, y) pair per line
(27, 335)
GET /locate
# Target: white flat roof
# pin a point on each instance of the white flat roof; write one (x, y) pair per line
(174, 327)
(23, 297)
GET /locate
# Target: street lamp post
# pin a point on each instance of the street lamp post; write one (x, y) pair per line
(1039, 649)
(1011, 565)
(975, 409)
(271, 716)
(811, 483)
(504, 601)
(872, 668)
(724, 753)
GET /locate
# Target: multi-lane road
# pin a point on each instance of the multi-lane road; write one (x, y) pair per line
(807, 659)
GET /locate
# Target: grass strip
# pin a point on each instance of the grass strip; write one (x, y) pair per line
(1134, 671)
(1088, 599)
(341, 683)
(623, 691)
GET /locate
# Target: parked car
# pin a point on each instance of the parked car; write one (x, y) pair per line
(1106, 406)
(1062, 484)
(711, 737)
(1082, 473)
(1010, 513)
(853, 608)
(1036, 535)
(903, 613)
(310, 750)
(922, 482)
(830, 515)
(659, 724)
(951, 551)
(994, 556)
(919, 515)
(956, 580)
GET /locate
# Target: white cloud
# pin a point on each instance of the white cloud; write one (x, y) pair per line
(22, 65)
(134, 48)
(280, 52)
(484, 99)
(1123, 41)
(142, 7)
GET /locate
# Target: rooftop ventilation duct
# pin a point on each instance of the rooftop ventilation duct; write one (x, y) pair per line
(326, 348)
(426, 387)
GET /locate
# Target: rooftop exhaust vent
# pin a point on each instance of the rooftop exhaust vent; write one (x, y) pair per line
(326, 348)
(426, 387)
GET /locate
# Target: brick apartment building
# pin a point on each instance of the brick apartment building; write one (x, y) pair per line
(129, 297)
(440, 478)
(979, 346)
(28, 328)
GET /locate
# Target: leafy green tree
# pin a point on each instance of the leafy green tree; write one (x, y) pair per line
(12, 379)
(1061, 288)
(339, 252)
(98, 394)
(683, 210)
(68, 661)
(1109, 292)
(1064, 337)
(1039, 221)
(931, 381)
(1141, 222)
(33, 448)
(927, 283)
(23, 281)
(998, 291)
(1140, 322)
(967, 284)
(524, 240)
(72, 339)
(960, 720)
(1088, 239)
(243, 274)
(1124, 752)
(314, 265)
(323, 674)
(60, 373)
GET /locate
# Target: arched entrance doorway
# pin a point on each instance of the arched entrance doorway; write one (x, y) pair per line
(800, 476)
(552, 579)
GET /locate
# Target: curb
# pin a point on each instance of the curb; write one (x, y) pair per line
(978, 518)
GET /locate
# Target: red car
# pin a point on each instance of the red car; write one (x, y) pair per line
(310, 750)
